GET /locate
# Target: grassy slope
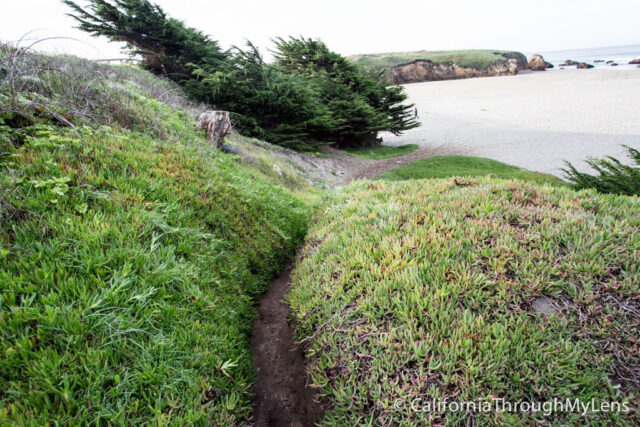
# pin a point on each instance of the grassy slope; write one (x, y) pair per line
(424, 289)
(129, 263)
(465, 166)
(480, 59)
(381, 151)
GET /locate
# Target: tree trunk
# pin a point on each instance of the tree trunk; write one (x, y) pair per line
(217, 125)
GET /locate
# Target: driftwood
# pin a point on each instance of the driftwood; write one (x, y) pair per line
(217, 124)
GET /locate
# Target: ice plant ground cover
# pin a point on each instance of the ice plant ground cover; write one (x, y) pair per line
(426, 289)
(130, 259)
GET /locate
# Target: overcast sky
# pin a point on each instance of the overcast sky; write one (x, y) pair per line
(361, 26)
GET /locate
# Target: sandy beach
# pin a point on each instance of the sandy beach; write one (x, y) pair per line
(533, 120)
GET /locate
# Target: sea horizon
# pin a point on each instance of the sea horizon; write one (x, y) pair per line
(619, 54)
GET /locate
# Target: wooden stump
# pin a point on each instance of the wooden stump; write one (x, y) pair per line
(217, 124)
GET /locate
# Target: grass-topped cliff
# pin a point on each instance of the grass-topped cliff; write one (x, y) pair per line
(472, 58)
(131, 250)
(465, 290)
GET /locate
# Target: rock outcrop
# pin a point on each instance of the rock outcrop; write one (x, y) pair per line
(231, 149)
(635, 61)
(537, 63)
(582, 65)
(422, 70)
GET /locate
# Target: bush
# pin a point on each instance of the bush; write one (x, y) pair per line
(613, 176)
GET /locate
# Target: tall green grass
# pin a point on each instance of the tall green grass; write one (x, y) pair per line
(425, 289)
(466, 166)
(130, 261)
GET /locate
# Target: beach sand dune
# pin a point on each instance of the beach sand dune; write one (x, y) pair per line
(532, 120)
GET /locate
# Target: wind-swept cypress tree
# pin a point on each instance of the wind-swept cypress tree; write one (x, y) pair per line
(361, 103)
(311, 95)
(268, 104)
(166, 45)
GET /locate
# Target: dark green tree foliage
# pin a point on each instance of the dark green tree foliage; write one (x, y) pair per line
(360, 103)
(613, 176)
(311, 95)
(166, 45)
(267, 103)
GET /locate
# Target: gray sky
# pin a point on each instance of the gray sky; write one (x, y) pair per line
(361, 26)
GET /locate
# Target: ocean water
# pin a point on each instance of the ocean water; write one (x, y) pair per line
(618, 54)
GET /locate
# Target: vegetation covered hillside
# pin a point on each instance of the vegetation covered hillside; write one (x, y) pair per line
(464, 290)
(479, 59)
(131, 251)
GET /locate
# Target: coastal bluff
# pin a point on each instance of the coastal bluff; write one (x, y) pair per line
(414, 67)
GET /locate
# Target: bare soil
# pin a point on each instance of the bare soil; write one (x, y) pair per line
(340, 168)
(358, 168)
(283, 397)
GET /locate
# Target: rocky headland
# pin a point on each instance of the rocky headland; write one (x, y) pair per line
(421, 66)
(422, 70)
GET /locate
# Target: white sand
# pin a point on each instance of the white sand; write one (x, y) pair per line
(534, 120)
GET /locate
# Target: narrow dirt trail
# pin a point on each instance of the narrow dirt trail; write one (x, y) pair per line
(340, 168)
(283, 397)
(357, 168)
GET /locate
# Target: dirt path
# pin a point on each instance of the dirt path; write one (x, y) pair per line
(340, 168)
(283, 398)
(357, 168)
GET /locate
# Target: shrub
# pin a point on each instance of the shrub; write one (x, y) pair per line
(613, 176)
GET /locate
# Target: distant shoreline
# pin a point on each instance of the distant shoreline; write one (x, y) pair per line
(620, 54)
(421, 66)
(534, 120)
